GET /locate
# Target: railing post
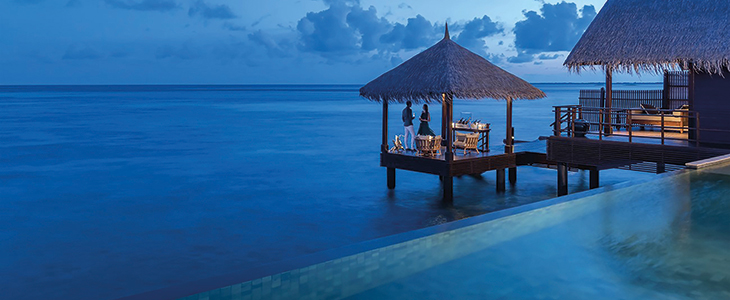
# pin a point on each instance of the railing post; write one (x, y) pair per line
(556, 125)
(631, 127)
(600, 124)
(662, 128)
(697, 129)
(580, 112)
(572, 122)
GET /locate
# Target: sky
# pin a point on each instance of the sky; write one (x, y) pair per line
(279, 42)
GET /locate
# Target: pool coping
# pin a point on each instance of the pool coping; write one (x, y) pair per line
(182, 290)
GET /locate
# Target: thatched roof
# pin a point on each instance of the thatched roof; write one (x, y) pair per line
(655, 35)
(447, 68)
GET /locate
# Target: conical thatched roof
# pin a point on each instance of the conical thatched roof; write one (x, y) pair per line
(654, 35)
(447, 68)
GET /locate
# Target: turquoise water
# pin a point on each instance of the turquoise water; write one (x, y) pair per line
(661, 239)
(107, 191)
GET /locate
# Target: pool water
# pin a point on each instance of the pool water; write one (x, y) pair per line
(662, 239)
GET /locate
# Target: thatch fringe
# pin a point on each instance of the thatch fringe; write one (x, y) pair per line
(656, 35)
(447, 68)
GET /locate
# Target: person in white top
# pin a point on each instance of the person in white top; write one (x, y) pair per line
(407, 118)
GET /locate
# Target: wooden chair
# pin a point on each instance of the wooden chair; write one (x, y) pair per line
(436, 145)
(423, 144)
(397, 144)
(467, 141)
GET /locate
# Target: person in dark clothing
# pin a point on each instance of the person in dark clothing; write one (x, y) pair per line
(423, 129)
(407, 118)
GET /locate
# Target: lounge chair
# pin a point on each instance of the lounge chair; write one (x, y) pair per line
(649, 115)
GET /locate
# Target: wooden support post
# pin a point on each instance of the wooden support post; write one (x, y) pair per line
(562, 179)
(609, 99)
(692, 122)
(500, 180)
(448, 189)
(660, 168)
(556, 125)
(384, 145)
(665, 91)
(509, 140)
(443, 119)
(593, 178)
(447, 104)
(391, 178)
(512, 176)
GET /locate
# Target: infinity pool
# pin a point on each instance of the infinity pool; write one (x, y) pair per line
(666, 238)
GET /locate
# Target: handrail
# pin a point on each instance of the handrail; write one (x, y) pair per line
(622, 118)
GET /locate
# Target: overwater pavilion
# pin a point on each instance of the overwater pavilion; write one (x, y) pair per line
(688, 37)
(439, 74)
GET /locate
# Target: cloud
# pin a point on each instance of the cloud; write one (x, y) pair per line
(143, 5)
(76, 52)
(184, 52)
(275, 48)
(327, 31)
(546, 56)
(370, 27)
(234, 27)
(556, 28)
(205, 11)
(473, 33)
(521, 57)
(418, 32)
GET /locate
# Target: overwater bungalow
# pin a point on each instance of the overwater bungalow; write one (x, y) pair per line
(439, 74)
(685, 121)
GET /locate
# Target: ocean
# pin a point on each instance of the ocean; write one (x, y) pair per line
(109, 191)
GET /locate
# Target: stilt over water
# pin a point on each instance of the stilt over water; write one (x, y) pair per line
(500, 180)
(391, 178)
(562, 179)
(593, 178)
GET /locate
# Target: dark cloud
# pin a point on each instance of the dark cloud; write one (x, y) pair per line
(206, 11)
(473, 33)
(404, 5)
(77, 52)
(556, 28)
(143, 5)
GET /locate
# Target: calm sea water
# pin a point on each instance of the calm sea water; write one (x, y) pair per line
(108, 191)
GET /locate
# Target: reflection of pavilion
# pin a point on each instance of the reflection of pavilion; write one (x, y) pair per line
(439, 74)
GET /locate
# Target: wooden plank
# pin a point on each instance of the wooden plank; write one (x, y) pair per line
(606, 154)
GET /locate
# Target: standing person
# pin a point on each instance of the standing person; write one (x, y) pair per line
(423, 129)
(408, 117)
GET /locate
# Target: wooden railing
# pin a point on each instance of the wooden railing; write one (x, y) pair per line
(601, 118)
(672, 96)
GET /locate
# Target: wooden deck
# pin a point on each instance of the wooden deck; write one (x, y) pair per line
(461, 165)
(607, 153)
